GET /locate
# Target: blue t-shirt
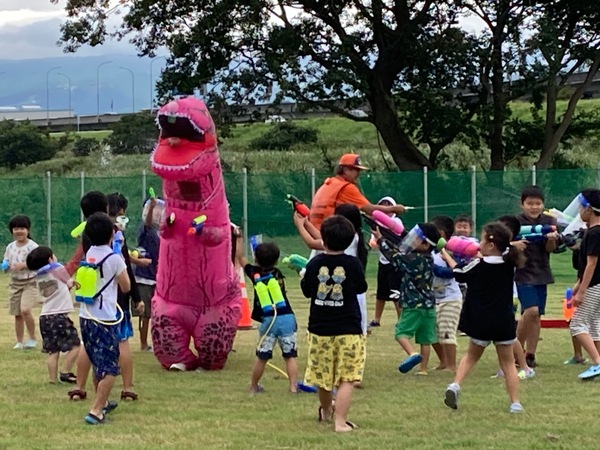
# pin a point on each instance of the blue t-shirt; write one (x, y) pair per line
(148, 239)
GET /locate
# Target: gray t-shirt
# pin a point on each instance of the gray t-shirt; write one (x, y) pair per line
(537, 267)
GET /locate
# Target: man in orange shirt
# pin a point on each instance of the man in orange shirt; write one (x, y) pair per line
(342, 189)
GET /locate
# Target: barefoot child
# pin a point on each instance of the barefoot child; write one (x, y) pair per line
(58, 332)
(336, 342)
(487, 315)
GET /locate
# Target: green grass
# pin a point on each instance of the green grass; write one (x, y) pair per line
(99, 135)
(213, 411)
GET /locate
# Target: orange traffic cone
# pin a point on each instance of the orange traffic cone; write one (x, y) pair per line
(246, 320)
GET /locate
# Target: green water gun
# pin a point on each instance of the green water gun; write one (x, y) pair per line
(78, 230)
(295, 262)
(268, 292)
(151, 193)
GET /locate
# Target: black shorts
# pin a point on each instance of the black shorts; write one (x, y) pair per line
(58, 333)
(388, 278)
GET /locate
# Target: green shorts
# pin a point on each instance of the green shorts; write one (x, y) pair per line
(419, 324)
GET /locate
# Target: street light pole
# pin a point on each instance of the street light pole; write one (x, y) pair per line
(69, 80)
(48, 93)
(152, 81)
(98, 89)
(132, 87)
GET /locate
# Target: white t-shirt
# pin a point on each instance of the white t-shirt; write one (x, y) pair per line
(18, 254)
(445, 289)
(113, 266)
(55, 295)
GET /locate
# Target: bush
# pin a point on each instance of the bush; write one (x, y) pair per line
(284, 135)
(133, 134)
(85, 146)
(24, 144)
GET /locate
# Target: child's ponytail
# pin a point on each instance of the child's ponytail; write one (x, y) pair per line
(500, 235)
(514, 256)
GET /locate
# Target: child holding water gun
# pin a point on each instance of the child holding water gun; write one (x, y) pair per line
(336, 340)
(22, 287)
(146, 264)
(487, 315)
(58, 332)
(387, 277)
(274, 312)
(586, 292)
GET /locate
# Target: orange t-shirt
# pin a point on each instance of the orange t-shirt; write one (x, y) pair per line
(334, 191)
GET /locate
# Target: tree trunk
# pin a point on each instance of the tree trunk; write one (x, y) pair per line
(553, 137)
(496, 136)
(405, 153)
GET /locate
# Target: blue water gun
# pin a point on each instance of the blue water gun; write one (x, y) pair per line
(5, 265)
(535, 233)
(118, 242)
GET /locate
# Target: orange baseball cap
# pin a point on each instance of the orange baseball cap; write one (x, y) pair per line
(352, 160)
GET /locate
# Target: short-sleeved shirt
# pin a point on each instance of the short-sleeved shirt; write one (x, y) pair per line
(590, 246)
(445, 289)
(537, 269)
(257, 312)
(416, 286)
(55, 295)
(333, 283)
(113, 266)
(18, 254)
(148, 239)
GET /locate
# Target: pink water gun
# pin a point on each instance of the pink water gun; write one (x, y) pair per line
(462, 247)
(393, 224)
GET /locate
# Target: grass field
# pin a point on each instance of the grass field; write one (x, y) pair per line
(213, 410)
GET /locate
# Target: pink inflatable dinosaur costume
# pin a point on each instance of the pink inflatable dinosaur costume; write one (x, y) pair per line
(197, 293)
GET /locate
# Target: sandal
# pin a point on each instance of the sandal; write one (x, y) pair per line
(92, 419)
(77, 394)
(321, 417)
(110, 406)
(68, 377)
(128, 395)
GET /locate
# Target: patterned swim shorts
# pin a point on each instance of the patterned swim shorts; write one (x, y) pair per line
(281, 331)
(102, 347)
(335, 359)
(58, 333)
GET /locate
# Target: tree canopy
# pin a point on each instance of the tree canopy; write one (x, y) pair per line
(405, 59)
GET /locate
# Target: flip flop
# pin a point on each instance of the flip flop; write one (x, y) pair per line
(306, 387)
(351, 425)
(409, 363)
(77, 394)
(110, 406)
(128, 395)
(68, 377)
(92, 419)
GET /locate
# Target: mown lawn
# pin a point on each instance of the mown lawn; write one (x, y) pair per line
(213, 410)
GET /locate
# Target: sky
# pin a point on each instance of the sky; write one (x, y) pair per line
(29, 29)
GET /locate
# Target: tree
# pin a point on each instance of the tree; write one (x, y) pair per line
(567, 42)
(23, 144)
(282, 136)
(333, 54)
(85, 146)
(133, 134)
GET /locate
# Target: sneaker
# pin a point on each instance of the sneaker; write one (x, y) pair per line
(499, 374)
(516, 408)
(592, 372)
(30, 343)
(18, 346)
(178, 367)
(374, 323)
(574, 360)
(409, 363)
(451, 397)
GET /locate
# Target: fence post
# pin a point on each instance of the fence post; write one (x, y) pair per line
(245, 210)
(425, 195)
(313, 177)
(533, 175)
(144, 181)
(474, 196)
(82, 181)
(49, 210)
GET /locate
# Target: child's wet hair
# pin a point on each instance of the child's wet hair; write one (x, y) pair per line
(464, 218)
(116, 203)
(431, 232)
(512, 223)
(266, 255)
(99, 229)
(534, 192)
(93, 202)
(500, 235)
(38, 258)
(444, 224)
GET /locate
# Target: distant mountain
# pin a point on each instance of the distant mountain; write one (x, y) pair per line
(23, 82)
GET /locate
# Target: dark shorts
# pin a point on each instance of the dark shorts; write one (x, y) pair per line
(58, 333)
(146, 294)
(533, 295)
(102, 347)
(124, 329)
(388, 278)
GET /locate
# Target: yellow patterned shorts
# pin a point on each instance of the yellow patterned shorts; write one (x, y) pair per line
(335, 359)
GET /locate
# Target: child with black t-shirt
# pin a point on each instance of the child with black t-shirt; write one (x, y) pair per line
(336, 343)
(586, 293)
(272, 309)
(487, 315)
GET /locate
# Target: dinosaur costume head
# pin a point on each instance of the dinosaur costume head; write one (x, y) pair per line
(197, 295)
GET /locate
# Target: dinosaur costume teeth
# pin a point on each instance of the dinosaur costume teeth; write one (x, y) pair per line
(197, 292)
